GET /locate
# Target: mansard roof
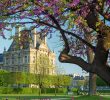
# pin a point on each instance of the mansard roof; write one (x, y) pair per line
(12, 46)
(39, 41)
(1, 57)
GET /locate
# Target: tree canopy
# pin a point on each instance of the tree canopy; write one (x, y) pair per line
(77, 21)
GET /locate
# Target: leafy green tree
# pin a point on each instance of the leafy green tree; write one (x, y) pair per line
(41, 77)
(18, 78)
(60, 81)
(57, 82)
(66, 80)
(4, 78)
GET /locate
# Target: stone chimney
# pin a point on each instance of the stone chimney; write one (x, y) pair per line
(17, 30)
(4, 49)
(34, 35)
(45, 40)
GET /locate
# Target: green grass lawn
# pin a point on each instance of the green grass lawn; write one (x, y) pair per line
(59, 97)
(92, 98)
(31, 97)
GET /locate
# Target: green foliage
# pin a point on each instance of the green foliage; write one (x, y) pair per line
(62, 90)
(52, 90)
(10, 90)
(48, 90)
(18, 78)
(6, 90)
(10, 78)
(101, 82)
(90, 98)
(30, 91)
(43, 80)
(61, 80)
(67, 80)
(32, 97)
(103, 92)
(75, 91)
(3, 78)
(17, 90)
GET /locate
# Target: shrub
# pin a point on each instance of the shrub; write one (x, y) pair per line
(5, 90)
(62, 90)
(17, 90)
(52, 90)
(48, 90)
(107, 92)
(75, 91)
(30, 91)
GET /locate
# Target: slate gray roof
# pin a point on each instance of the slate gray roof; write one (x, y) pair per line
(78, 78)
(1, 57)
(38, 42)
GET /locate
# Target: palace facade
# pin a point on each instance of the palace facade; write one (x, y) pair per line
(32, 55)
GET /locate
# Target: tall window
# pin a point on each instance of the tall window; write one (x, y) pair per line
(7, 60)
(19, 58)
(12, 58)
(26, 59)
(19, 68)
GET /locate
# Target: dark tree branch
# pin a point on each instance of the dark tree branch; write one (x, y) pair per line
(84, 41)
(101, 53)
(102, 7)
(104, 72)
(67, 32)
(64, 57)
(76, 60)
(67, 49)
(12, 13)
(104, 15)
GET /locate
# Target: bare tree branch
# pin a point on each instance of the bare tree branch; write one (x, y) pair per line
(76, 60)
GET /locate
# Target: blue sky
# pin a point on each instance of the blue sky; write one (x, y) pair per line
(54, 44)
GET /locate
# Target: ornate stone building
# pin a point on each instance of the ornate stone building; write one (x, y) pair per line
(30, 56)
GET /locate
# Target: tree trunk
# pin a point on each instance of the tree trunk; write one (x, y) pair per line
(39, 91)
(92, 77)
(98, 66)
(92, 84)
(55, 91)
(45, 90)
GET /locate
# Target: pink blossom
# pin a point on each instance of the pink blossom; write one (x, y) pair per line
(84, 11)
(74, 3)
(56, 0)
(1, 25)
(22, 16)
(108, 2)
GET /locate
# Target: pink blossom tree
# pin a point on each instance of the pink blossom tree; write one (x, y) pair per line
(74, 20)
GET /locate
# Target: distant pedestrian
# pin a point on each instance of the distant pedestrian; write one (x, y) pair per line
(101, 98)
(72, 98)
